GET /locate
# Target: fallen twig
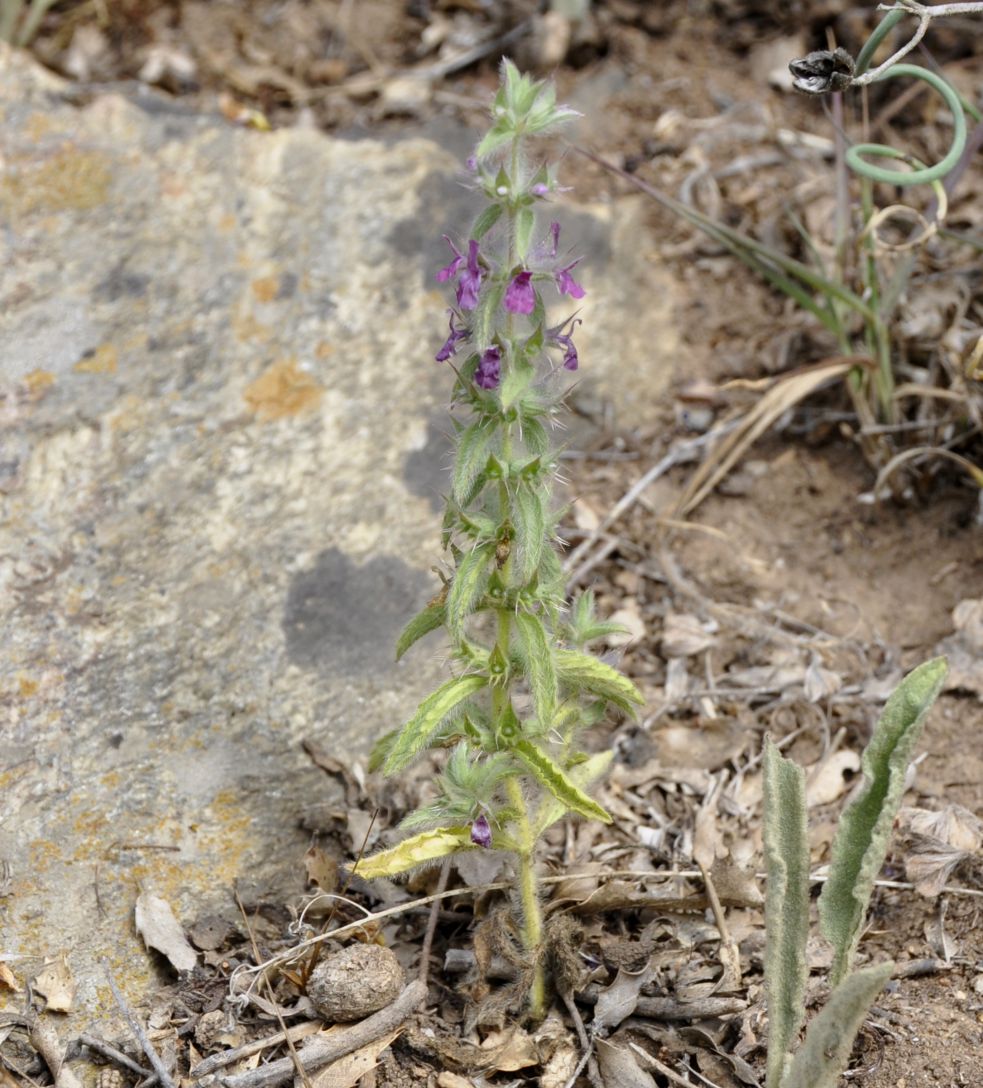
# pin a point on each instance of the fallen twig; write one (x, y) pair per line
(667, 1008)
(45, 1041)
(322, 1050)
(141, 1036)
(107, 1050)
(247, 1050)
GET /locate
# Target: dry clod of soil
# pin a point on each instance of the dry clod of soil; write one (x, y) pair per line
(355, 982)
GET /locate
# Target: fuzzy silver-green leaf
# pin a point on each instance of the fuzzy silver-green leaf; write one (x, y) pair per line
(540, 670)
(530, 525)
(585, 673)
(422, 624)
(829, 1039)
(470, 582)
(427, 846)
(786, 906)
(549, 775)
(864, 830)
(430, 715)
(472, 456)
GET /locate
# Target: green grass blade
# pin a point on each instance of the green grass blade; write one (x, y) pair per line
(826, 1048)
(550, 776)
(864, 831)
(786, 906)
(430, 715)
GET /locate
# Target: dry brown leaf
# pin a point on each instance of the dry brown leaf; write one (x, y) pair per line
(964, 649)
(684, 634)
(510, 1050)
(619, 1066)
(322, 870)
(820, 683)
(631, 619)
(159, 928)
(619, 1000)
(55, 984)
(349, 1070)
(832, 778)
(8, 980)
(937, 843)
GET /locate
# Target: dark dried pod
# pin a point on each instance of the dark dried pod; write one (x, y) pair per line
(823, 71)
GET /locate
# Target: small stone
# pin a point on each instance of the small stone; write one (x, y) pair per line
(355, 982)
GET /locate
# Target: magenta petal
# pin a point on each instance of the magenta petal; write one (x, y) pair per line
(489, 369)
(520, 296)
(469, 284)
(481, 832)
(567, 285)
(450, 270)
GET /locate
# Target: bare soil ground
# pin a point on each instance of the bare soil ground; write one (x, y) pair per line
(787, 602)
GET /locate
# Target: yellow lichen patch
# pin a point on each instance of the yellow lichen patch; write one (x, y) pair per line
(227, 223)
(26, 686)
(103, 360)
(246, 327)
(38, 382)
(266, 288)
(283, 389)
(68, 180)
(323, 349)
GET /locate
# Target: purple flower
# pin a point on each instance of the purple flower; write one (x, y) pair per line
(489, 369)
(565, 341)
(451, 270)
(481, 833)
(555, 232)
(539, 189)
(566, 284)
(450, 344)
(472, 163)
(470, 282)
(520, 298)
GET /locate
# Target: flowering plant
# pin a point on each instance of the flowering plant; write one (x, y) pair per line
(524, 685)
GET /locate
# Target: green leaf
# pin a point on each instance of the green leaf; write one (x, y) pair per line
(497, 136)
(422, 624)
(582, 776)
(534, 436)
(381, 749)
(484, 223)
(529, 522)
(549, 775)
(470, 581)
(427, 846)
(472, 456)
(786, 906)
(430, 715)
(541, 671)
(517, 380)
(829, 1039)
(525, 220)
(585, 673)
(864, 831)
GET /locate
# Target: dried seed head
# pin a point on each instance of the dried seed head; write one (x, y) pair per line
(823, 71)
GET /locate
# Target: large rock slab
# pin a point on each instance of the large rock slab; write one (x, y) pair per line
(218, 481)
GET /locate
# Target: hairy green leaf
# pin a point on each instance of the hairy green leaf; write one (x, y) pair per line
(524, 222)
(548, 774)
(470, 581)
(427, 846)
(786, 906)
(422, 624)
(864, 831)
(534, 436)
(381, 749)
(582, 775)
(541, 671)
(484, 223)
(829, 1039)
(530, 525)
(430, 715)
(493, 139)
(472, 456)
(585, 673)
